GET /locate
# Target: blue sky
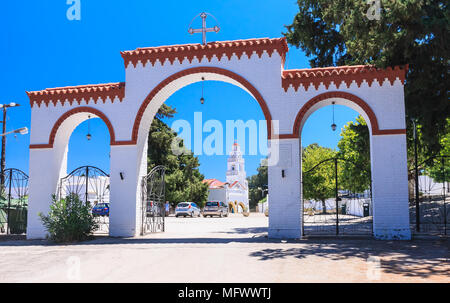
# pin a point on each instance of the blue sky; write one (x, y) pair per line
(41, 48)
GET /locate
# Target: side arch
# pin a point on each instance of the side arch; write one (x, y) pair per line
(66, 115)
(243, 83)
(370, 115)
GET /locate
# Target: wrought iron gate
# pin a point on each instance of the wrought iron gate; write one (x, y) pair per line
(91, 185)
(345, 206)
(430, 196)
(13, 201)
(153, 201)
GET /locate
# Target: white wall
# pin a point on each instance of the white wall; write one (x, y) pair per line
(285, 215)
(285, 211)
(217, 195)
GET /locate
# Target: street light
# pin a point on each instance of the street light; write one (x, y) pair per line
(2, 161)
(333, 126)
(12, 104)
(22, 131)
(202, 99)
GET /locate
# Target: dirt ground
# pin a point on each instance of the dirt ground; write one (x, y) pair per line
(233, 249)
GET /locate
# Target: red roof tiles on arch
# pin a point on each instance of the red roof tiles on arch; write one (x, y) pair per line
(211, 49)
(72, 93)
(339, 74)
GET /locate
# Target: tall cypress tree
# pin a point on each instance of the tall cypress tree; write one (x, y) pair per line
(413, 32)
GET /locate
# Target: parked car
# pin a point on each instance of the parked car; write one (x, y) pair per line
(187, 209)
(215, 208)
(101, 209)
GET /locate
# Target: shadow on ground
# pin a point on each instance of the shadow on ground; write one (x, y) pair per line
(416, 258)
(247, 230)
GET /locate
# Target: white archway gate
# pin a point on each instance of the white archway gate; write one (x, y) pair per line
(287, 98)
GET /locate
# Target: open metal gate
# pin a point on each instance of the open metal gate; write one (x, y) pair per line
(91, 185)
(344, 207)
(13, 201)
(153, 201)
(430, 196)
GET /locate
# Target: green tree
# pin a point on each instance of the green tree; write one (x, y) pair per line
(318, 183)
(354, 146)
(183, 179)
(439, 167)
(413, 32)
(257, 185)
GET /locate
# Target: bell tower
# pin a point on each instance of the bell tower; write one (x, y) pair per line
(236, 166)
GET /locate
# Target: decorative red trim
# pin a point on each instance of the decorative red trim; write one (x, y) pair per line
(287, 136)
(363, 105)
(72, 93)
(218, 49)
(340, 74)
(82, 109)
(391, 132)
(196, 70)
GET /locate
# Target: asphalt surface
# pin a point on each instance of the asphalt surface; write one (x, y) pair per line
(233, 249)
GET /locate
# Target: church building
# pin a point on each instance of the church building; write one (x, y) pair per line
(234, 192)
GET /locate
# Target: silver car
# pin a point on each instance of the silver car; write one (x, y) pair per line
(215, 208)
(187, 209)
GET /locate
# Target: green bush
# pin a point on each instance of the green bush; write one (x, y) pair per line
(69, 220)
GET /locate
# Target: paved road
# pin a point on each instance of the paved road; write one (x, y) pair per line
(232, 249)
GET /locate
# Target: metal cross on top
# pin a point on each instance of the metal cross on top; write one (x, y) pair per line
(204, 29)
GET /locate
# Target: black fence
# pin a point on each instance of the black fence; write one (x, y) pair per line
(13, 201)
(429, 193)
(91, 185)
(346, 205)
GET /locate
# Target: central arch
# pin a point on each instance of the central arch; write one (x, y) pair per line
(188, 76)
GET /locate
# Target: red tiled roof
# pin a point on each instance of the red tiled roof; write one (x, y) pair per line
(214, 183)
(337, 75)
(72, 93)
(218, 49)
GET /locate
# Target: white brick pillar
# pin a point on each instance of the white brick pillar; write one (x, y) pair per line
(390, 187)
(47, 166)
(124, 193)
(285, 205)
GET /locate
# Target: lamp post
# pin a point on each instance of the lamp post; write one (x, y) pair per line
(22, 131)
(4, 107)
